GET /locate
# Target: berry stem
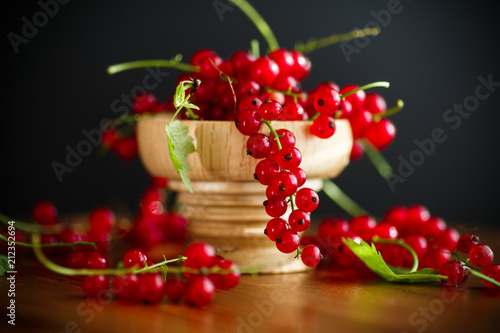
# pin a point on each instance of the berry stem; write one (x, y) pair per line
(402, 243)
(288, 93)
(60, 244)
(31, 227)
(341, 199)
(259, 23)
(172, 63)
(484, 277)
(395, 109)
(383, 84)
(273, 131)
(377, 159)
(314, 44)
(255, 48)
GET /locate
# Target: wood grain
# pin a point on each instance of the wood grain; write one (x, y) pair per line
(328, 299)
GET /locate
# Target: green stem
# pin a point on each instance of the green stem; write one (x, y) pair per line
(31, 227)
(341, 199)
(288, 93)
(383, 84)
(113, 69)
(484, 277)
(255, 48)
(60, 244)
(314, 44)
(402, 243)
(377, 159)
(398, 107)
(273, 131)
(259, 23)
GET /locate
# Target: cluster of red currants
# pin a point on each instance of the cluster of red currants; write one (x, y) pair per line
(154, 223)
(480, 258)
(204, 270)
(429, 236)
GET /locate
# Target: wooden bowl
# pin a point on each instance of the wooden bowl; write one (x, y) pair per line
(226, 208)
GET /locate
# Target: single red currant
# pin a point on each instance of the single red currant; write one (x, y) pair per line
(125, 287)
(285, 183)
(288, 241)
(311, 255)
(134, 257)
(289, 158)
(258, 145)
(307, 199)
(299, 220)
(150, 288)
(454, 271)
(326, 99)
(199, 255)
(174, 289)
(274, 228)
(285, 137)
(95, 285)
(264, 71)
(248, 121)
(266, 170)
(480, 255)
(466, 242)
(381, 133)
(275, 206)
(101, 219)
(490, 271)
(44, 213)
(199, 291)
(323, 127)
(270, 110)
(301, 176)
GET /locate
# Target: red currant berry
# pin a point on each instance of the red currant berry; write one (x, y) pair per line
(125, 287)
(150, 288)
(249, 102)
(266, 170)
(283, 59)
(275, 206)
(357, 99)
(76, 259)
(480, 255)
(299, 220)
(201, 54)
(270, 192)
(449, 240)
(242, 60)
(284, 83)
(134, 257)
(301, 66)
(264, 71)
(332, 229)
(274, 228)
(285, 137)
(101, 219)
(360, 122)
(288, 241)
(345, 110)
(289, 158)
(490, 270)
(374, 103)
(301, 176)
(434, 228)
(363, 226)
(95, 285)
(466, 242)
(258, 146)
(311, 255)
(396, 216)
(209, 67)
(323, 127)
(307, 199)
(454, 271)
(357, 152)
(381, 133)
(435, 258)
(248, 121)
(247, 88)
(285, 183)
(326, 99)
(126, 148)
(199, 254)
(293, 111)
(386, 231)
(44, 213)
(199, 291)
(95, 260)
(174, 289)
(224, 280)
(143, 103)
(270, 110)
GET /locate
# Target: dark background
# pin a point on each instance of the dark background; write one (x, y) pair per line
(431, 52)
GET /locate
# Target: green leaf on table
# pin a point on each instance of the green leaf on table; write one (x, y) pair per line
(180, 145)
(374, 261)
(4, 265)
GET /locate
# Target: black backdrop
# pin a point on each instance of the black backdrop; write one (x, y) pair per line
(431, 52)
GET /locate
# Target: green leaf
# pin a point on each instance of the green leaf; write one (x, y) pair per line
(180, 144)
(180, 95)
(4, 265)
(374, 261)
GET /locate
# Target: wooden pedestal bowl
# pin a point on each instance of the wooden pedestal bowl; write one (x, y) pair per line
(226, 208)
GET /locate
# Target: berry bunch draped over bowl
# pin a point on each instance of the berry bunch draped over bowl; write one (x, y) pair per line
(255, 91)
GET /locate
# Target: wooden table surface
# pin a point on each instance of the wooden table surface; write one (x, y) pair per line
(324, 300)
